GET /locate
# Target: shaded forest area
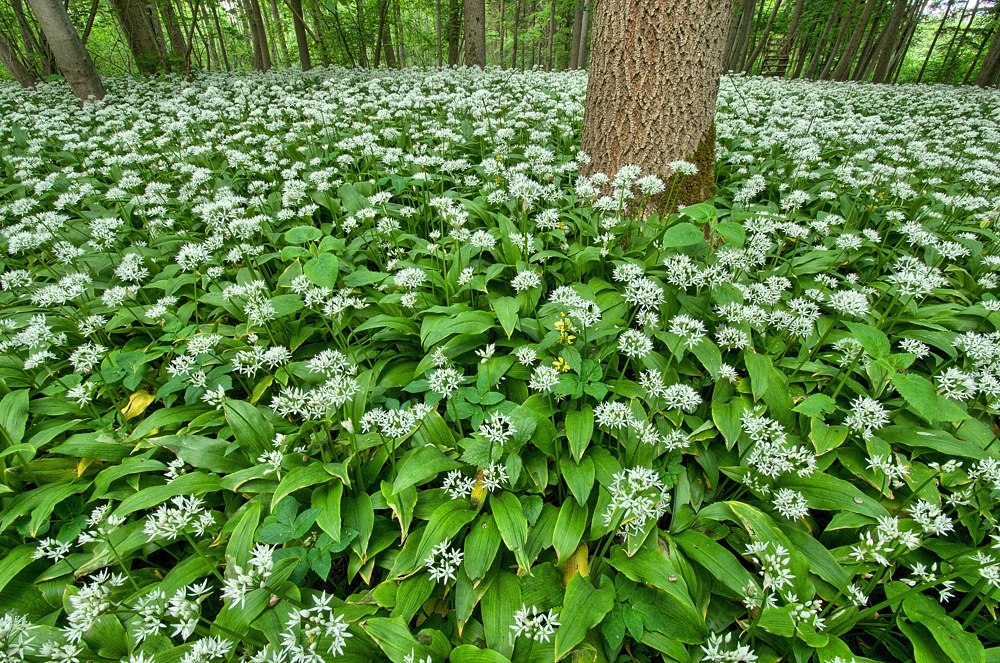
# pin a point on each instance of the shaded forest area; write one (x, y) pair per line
(939, 41)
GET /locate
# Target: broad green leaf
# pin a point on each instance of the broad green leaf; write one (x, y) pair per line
(579, 477)
(570, 526)
(254, 433)
(192, 483)
(957, 643)
(303, 235)
(481, 546)
(511, 521)
(681, 234)
(583, 608)
(506, 309)
(470, 654)
(14, 562)
(444, 524)
(873, 340)
(298, 478)
(322, 270)
(498, 606)
(924, 401)
(394, 638)
(14, 415)
(420, 465)
(579, 430)
(721, 564)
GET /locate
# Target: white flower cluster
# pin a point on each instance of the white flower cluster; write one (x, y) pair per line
(638, 497)
(534, 625)
(443, 562)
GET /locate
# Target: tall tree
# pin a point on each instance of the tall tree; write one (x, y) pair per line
(299, 25)
(762, 41)
(934, 41)
(10, 59)
(454, 30)
(173, 27)
(989, 72)
(134, 19)
(654, 78)
(69, 52)
(258, 36)
(475, 33)
(279, 30)
(843, 69)
(887, 41)
(33, 46)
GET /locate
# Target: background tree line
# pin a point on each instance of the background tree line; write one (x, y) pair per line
(950, 41)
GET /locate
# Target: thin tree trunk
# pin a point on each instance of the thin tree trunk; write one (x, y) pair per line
(800, 61)
(279, 28)
(845, 22)
(189, 40)
(887, 42)
(299, 25)
(437, 32)
(454, 31)
(951, 56)
(69, 51)
(651, 92)
(502, 29)
(979, 52)
(581, 58)
(91, 15)
(223, 51)
(343, 39)
(359, 18)
(154, 21)
(383, 7)
(390, 52)
(899, 56)
(574, 47)
(843, 69)
(31, 44)
(517, 34)
(743, 35)
(868, 49)
(258, 37)
(207, 38)
(937, 34)
(10, 59)
(552, 35)
(474, 12)
(732, 30)
(762, 42)
(400, 44)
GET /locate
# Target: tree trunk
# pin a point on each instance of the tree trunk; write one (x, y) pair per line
(173, 28)
(10, 59)
(383, 7)
(208, 39)
(139, 34)
(843, 69)
(887, 42)
(937, 35)
(903, 47)
(951, 55)
(224, 52)
(581, 57)
(258, 37)
(475, 32)
(743, 35)
(552, 35)
(454, 31)
(362, 46)
(732, 31)
(91, 16)
(870, 45)
(821, 43)
(989, 73)
(299, 25)
(654, 77)
(517, 35)
(842, 31)
(762, 42)
(501, 29)
(340, 33)
(438, 33)
(69, 52)
(279, 29)
(31, 44)
(153, 16)
(574, 47)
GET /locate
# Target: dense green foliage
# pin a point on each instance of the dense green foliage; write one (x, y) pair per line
(356, 365)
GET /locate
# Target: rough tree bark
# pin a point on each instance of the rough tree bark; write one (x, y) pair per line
(279, 30)
(654, 77)
(69, 52)
(9, 58)
(574, 47)
(139, 34)
(475, 33)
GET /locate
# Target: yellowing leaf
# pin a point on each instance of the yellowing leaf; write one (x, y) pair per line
(578, 562)
(137, 404)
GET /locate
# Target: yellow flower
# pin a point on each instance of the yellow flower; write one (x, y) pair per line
(564, 327)
(561, 365)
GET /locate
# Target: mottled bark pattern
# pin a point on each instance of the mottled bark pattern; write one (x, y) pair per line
(654, 77)
(139, 34)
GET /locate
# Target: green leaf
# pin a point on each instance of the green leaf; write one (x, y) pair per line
(192, 483)
(681, 234)
(498, 606)
(583, 608)
(873, 340)
(579, 477)
(298, 478)
(419, 466)
(303, 235)
(512, 523)
(570, 525)
(924, 400)
(721, 564)
(14, 562)
(14, 415)
(651, 567)
(471, 654)
(506, 309)
(579, 430)
(436, 328)
(957, 643)
(444, 523)
(832, 494)
(394, 638)
(253, 432)
(481, 546)
(322, 270)
(816, 405)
